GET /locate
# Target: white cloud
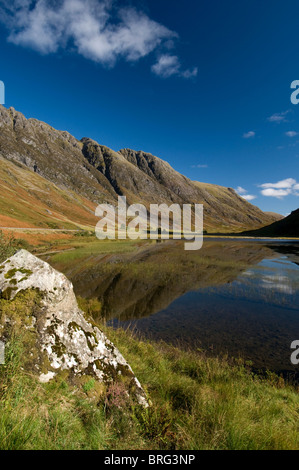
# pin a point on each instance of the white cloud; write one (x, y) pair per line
(249, 197)
(169, 65)
(278, 193)
(243, 193)
(279, 117)
(281, 189)
(291, 133)
(189, 73)
(287, 183)
(98, 30)
(241, 190)
(249, 135)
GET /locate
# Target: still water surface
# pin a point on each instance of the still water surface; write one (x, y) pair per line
(239, 298)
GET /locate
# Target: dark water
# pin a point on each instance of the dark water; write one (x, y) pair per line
(232, 297)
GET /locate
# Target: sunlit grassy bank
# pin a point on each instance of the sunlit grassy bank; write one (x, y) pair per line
(210, 403)
(196, 403)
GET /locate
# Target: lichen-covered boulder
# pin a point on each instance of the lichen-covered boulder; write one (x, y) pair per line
(69, 341)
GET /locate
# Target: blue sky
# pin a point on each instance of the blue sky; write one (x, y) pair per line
(203, 84)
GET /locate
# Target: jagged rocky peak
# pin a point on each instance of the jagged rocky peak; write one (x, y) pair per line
(97, 155)
(65, 339)
(99, 174)
(148, 163)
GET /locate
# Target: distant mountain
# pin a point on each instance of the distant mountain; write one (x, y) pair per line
(38, 161)
(287, 227)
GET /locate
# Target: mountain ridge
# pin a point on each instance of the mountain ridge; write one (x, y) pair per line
(98, 174)
(287, 227)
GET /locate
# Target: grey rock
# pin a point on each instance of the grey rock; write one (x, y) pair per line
(69, 340)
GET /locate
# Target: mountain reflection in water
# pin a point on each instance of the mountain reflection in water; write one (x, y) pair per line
(234, 297)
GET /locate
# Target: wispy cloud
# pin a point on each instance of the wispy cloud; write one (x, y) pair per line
(99, 30)
(281, 189)
(249, 197)
(283, 184)
(244, 194)
(249, 135)
(199, 166)
(279, 117)
(278, 193)
(169, 65)
(241, 190)
(291, 133)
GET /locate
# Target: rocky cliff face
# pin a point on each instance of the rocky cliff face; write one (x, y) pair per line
(64, 338)
(56, 156)
(100, 174)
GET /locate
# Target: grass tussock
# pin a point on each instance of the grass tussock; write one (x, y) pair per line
(9, 245)
(38, 416)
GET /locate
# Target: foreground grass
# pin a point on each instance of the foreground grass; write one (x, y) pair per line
(197, 403)
(37, 416)
(208, 403)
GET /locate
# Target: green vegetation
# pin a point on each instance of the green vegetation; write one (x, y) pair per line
(204, 403)
(84, 233)
(92, 307)
(196, 402)
(9, 245)
(37, 416)
(144, 258)
(85, 250)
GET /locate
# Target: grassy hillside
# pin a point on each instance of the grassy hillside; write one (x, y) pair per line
(233, 211)
(287, 227)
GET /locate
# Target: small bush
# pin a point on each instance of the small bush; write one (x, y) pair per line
(84, 233)
(9, 245)
(92, 307)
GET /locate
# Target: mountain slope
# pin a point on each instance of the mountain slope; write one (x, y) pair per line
(287, 227)
(97, 174)
(29, 200)
(224, 208)
(224, 204)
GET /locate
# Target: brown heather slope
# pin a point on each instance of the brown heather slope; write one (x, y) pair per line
(226, 205)
(69, 177)
(29, 200)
